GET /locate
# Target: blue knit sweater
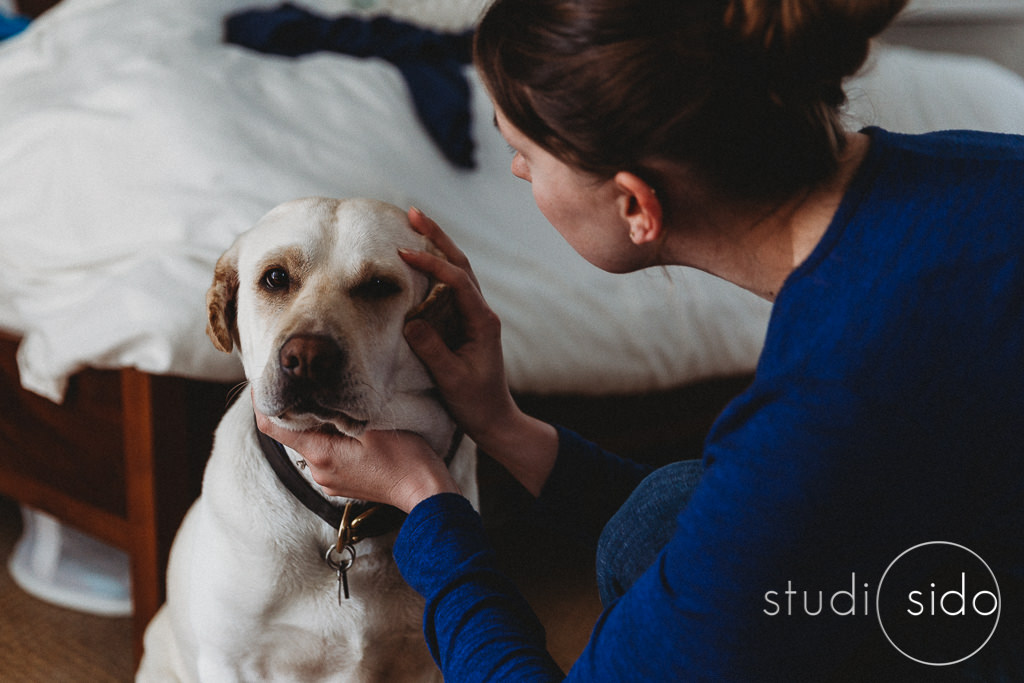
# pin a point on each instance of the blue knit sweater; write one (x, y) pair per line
(887, 411)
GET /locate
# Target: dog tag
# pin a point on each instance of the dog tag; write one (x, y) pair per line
(342, 584)
(341, 562)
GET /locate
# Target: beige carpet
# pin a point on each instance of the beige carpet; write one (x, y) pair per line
(43, 643)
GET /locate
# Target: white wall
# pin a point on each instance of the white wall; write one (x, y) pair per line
(990, 28)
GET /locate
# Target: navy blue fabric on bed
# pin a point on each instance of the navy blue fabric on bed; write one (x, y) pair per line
(431, 62)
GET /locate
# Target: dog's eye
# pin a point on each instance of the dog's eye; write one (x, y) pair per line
(275, 279)
(376, 288)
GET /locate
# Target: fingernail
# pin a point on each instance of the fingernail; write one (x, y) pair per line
(416, 211)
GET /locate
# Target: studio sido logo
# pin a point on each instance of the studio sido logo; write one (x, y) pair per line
(938, 603)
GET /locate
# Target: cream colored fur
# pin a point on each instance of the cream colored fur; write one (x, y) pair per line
(249, 596)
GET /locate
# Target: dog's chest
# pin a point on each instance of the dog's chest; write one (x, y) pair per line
(361, 640)
(309, 628)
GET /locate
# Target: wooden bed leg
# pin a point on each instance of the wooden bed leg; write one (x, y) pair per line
(146, 455)
(121, 459)
(168, 430)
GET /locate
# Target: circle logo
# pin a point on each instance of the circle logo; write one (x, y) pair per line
(938, 603)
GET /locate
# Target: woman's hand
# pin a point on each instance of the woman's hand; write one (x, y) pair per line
(397, 468)
(472, 377)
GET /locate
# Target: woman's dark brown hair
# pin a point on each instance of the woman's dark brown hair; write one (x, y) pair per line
(746, 93)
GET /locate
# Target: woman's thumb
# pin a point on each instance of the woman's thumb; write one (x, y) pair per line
(427, 344)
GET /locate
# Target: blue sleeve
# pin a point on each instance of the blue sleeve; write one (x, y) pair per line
(698, 614)
(477, 625)
(585, 488)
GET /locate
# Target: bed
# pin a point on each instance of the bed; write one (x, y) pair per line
(137, 144)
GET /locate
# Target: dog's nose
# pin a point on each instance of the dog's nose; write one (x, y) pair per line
(311, 357)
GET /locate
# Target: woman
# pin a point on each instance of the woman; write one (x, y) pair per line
(886, 411)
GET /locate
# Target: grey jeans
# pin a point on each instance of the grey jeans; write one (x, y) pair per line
(636, 533)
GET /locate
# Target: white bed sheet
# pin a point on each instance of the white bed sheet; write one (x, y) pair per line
(136, 146)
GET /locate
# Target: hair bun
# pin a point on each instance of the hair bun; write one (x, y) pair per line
(807, 45)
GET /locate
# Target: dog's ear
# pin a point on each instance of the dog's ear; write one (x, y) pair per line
(440, 310)
(442, 313)
(221, 302)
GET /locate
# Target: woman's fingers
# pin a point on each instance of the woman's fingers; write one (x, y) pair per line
(388, 466)
(429, 228)
(430, 348)
(316, 446)
(467, 292)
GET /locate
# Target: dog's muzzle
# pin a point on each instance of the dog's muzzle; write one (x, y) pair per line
(312, 379)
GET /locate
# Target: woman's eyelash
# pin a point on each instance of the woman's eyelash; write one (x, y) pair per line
(511, 149)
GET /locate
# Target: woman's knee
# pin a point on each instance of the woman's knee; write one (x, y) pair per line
(635, 535)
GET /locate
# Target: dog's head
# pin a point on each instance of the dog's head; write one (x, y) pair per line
(315, 297)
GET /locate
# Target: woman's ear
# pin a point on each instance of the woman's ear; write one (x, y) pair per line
(640, 207)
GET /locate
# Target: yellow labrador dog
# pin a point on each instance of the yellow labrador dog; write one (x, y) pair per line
(269, 580)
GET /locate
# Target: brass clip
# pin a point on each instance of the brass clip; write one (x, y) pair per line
(345, 529)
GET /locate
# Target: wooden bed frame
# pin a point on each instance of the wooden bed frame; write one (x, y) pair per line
(122, 458)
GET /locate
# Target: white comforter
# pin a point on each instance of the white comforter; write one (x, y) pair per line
(135, 145)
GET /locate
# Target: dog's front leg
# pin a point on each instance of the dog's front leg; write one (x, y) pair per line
(228, 590)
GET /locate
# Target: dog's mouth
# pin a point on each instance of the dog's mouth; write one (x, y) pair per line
(312, 415)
